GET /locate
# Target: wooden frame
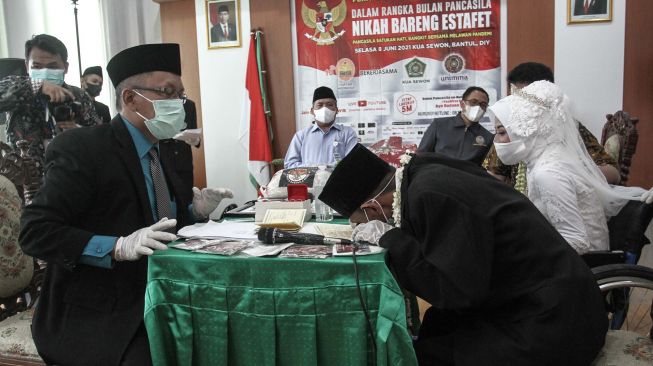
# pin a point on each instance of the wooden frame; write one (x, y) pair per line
(587, 11)
(216, 20)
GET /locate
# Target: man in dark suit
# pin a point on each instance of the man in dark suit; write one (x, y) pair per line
(91, 82)
(590, 7)
(107, 202)
(505, 287)
(223, 31)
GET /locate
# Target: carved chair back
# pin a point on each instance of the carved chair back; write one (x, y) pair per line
(619, 138)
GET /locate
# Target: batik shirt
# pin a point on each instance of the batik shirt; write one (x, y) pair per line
(22, 98)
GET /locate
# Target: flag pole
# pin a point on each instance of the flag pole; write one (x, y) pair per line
(258, 36)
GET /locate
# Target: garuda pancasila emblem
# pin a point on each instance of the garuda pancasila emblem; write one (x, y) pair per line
(324, 21)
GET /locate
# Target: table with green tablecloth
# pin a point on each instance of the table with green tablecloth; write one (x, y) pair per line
(204, 309)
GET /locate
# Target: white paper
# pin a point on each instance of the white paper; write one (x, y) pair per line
(335, 231)
(263, 250)
(225, 229)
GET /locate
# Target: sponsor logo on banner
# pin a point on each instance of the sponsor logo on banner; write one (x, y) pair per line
(357, 108)
(345, 69)
(454, 64)
(406, 104)
(324, 21)
(415, 68)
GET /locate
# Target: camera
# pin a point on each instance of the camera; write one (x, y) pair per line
(65, 111)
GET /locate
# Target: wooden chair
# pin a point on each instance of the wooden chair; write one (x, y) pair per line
(619, 138)
(20, 276)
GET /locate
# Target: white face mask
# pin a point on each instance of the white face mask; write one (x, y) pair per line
(168, 117)
(54, 76)
(324, 115)
(511, 153)
(474, 113)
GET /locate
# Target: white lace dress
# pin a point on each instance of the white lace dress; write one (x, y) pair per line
(570, 204)
(563, 181)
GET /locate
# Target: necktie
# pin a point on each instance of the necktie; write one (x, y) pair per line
(586, 7)
(161, 193)
(226, 32)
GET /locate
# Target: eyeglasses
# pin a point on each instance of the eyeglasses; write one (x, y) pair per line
(169, 93)
(475, 102)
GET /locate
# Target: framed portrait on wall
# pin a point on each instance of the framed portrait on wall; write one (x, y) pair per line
(223, 23)
(584, 11)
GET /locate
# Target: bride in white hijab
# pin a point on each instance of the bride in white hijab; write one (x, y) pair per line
(534, 126)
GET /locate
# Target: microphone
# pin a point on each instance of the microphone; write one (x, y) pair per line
(270, 235)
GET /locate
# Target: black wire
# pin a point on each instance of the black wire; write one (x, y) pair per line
(370, 331)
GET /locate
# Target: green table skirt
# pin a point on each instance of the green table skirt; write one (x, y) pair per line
(203, 309)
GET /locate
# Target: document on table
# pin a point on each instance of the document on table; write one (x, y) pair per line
(285, 219)
(225, 229)
(334, 231)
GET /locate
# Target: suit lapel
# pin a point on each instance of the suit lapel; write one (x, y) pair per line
(127, 151)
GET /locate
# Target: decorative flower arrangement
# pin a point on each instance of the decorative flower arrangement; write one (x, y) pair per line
(520, 180)
(399, 175)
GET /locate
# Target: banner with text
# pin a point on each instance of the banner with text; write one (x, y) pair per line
(395, 65)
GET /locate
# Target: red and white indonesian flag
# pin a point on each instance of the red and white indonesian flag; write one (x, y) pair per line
(254, 134)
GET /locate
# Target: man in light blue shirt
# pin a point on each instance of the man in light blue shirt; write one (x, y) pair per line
(323, 142)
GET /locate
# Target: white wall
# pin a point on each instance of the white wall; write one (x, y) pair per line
(589, 63)
(222, 85)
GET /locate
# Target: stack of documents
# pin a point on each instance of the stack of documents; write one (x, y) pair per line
(244, 232)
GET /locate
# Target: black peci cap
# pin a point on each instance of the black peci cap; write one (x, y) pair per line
(322, 93)
(93, 70)
(144, 58)
(354, 180)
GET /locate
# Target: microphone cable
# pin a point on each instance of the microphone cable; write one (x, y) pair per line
(370, 330)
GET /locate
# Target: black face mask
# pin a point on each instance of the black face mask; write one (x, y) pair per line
(93, 90)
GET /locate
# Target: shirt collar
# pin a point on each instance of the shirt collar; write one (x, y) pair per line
(459, 120)
(315, 127)
(461, 123)
(143, 145)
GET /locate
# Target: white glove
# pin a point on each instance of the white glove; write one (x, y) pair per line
(371, 231)
(647, 197)
(144, 241)
(207, 200)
